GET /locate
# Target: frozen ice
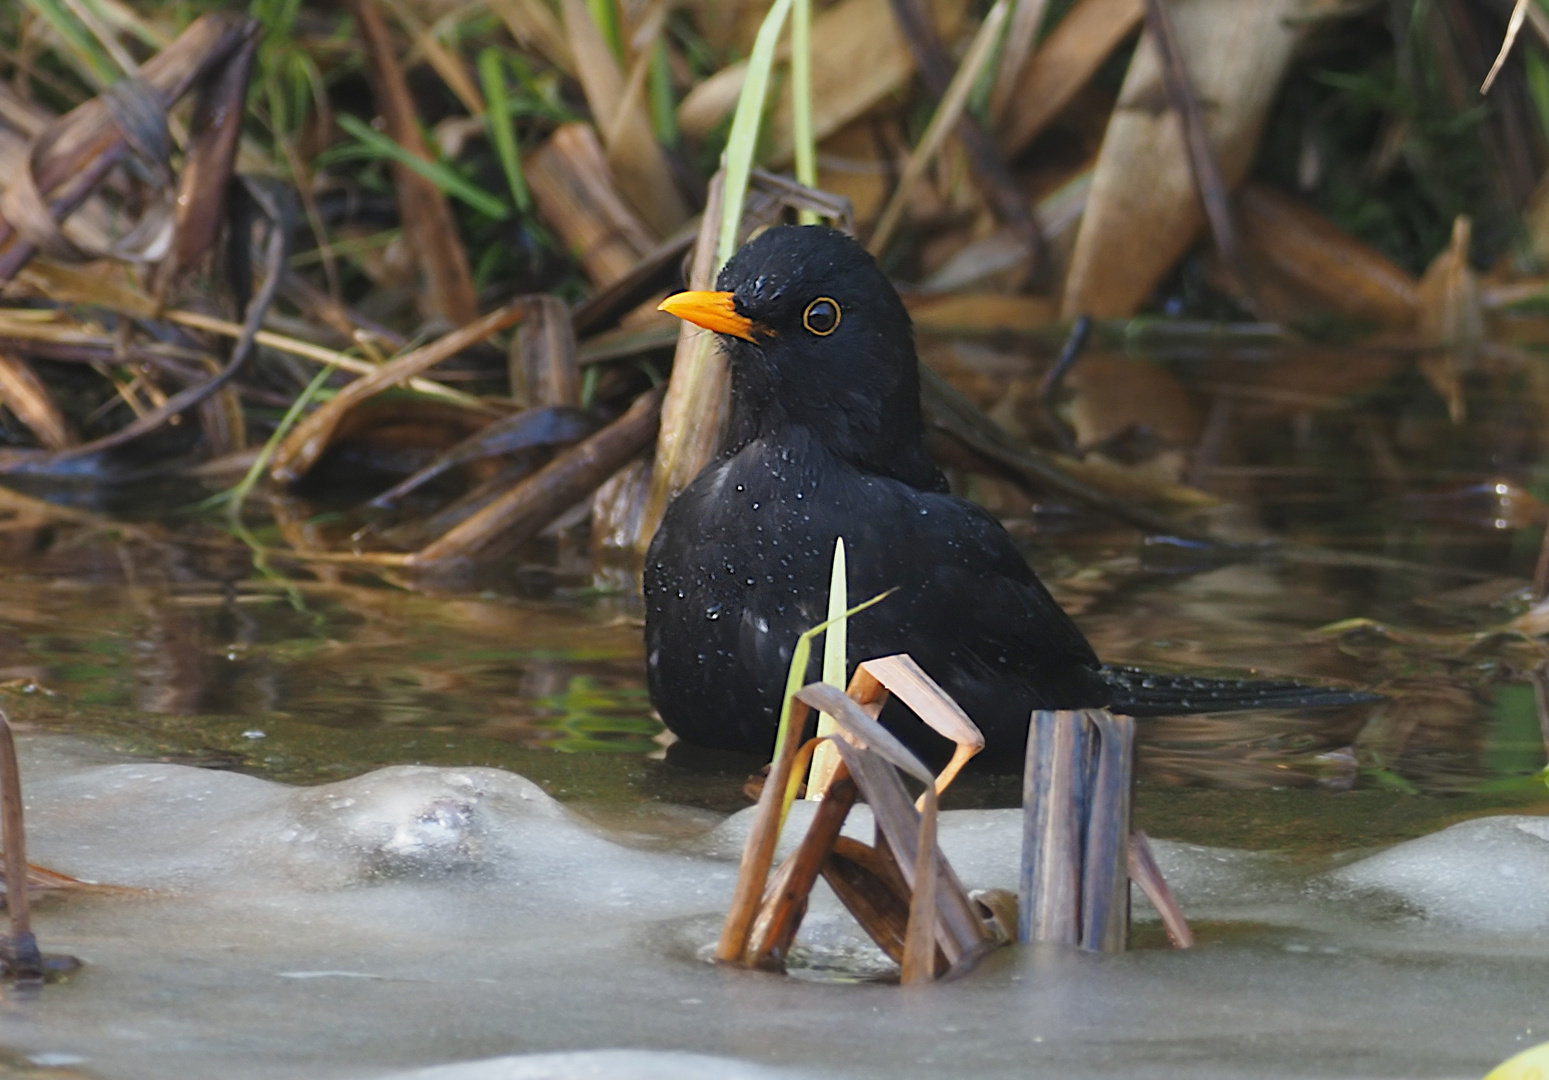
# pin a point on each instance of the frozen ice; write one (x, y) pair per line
(985, 849)
(1489, 875)
(604, 1065)
(446, 919)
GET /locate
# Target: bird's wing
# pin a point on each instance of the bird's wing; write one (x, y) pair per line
(968, 600)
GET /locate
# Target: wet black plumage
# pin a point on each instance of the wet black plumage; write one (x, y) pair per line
(826, 439)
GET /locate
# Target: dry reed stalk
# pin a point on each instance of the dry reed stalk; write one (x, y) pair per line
(199, 208)
(1021, 36)
(1208, 183)
(428, 225)
(637, 165)
(1053, 804)
(999, 188)
(519, 514)
(576, 197)
(542, 360)
(307, 441)
(785, 898)
(1144, 872)
(940, 914)
(698, 402)
(759, 848)
(947, 116)
(1077, 850)
(18, 948)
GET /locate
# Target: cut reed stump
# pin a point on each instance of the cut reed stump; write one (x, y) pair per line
(1078, 850)
(20, 958)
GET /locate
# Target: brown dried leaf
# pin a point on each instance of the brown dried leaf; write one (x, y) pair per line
(1063, 64)
(907, 681)
(1315, 257)
(1114, 394)
(859, 57)
(29, 399)
(533, 24)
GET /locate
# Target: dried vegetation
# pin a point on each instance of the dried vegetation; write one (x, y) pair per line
(389, 268)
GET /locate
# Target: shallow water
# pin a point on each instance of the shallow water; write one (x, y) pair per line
(277, 931)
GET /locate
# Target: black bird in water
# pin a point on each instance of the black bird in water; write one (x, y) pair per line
(826, 440)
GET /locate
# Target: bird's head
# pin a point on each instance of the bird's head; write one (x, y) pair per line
(816, 336)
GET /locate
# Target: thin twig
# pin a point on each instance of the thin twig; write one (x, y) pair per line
(1049, 385)
(1513, 28)
(1010, 202)
(1202, 159)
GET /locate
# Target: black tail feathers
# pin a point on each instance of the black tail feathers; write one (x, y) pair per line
(1149, 693)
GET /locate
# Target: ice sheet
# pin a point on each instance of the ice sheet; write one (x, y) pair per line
(421, 917)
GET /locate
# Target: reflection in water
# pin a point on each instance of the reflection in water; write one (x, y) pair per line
(187, 639)
(182, 650)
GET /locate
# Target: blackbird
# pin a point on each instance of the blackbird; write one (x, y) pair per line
(826, 440)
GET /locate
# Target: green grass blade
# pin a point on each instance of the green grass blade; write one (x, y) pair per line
(448, 181)
(605, 14)
(801, 657)
(93, 64)
(826, 758)
(499, 120)
(664, 108)
(742, 142)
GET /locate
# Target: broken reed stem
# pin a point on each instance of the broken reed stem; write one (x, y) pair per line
(784, 909)
(76, 151)
(758, 851)
(1053, 808)
(19, 948)
(698, 401)
(1105, 862)
(1076, 841)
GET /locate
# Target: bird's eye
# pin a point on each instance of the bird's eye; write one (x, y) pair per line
(821, 316)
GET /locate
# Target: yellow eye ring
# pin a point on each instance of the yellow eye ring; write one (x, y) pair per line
(818, 315)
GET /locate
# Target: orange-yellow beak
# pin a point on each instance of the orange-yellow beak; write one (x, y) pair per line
(712, 310)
